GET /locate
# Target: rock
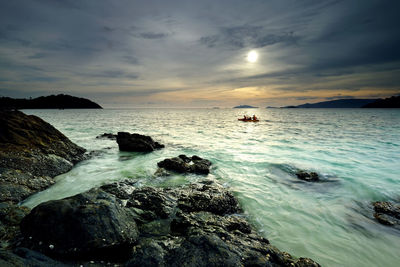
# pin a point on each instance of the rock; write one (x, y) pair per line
(27, 257)
(92, 224)
(192, 225)
(209, 198)
(31, 153)
(199, 225)
(136, 142)
(307, 176)
(10, 218)
(107, 136)
(387, 213)
(161, 172)
(184, 164)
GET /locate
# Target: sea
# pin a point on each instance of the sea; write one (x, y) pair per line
(356, 152)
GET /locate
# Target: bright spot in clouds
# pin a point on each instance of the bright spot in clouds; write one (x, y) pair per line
(252, 56)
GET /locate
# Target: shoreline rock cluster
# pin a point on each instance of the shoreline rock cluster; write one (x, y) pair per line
(194, 225)
(32, 152)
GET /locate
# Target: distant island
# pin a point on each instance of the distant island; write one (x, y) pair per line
(60, 101)
(244, 106)
(391, 102)
(339, 103)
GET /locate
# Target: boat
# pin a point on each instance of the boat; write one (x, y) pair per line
(256, 120)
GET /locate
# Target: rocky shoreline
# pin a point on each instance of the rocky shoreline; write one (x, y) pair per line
(120, 224)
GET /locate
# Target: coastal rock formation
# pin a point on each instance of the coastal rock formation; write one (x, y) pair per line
(185, 164)
(387, 213)
(307, 176)
(136, 142)
(31, 153)
(193, 225)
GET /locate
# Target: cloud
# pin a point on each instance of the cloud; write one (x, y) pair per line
(192, 49)
(153, 35)
(247, 36)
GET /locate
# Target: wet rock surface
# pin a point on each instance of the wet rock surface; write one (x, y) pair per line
(31, 153)
(88, 224)
(387, 213)
(307, 176)
(185, 164)
(193, 225)
(136, 142)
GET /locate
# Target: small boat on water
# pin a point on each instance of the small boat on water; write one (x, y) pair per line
(256, 120)
(248, 118)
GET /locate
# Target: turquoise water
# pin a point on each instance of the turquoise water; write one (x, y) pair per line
(355, 150)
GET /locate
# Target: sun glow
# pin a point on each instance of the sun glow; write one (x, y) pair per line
(252, 56)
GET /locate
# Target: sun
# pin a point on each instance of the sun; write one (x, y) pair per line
(252, 56)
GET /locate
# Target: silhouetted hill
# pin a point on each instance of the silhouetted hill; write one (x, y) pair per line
(48, 102)
(391, 102)
(244, 106)
(339, 103)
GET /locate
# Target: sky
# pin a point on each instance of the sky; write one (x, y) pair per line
(196, 53)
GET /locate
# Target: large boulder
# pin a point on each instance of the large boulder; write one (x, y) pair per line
(92, 224)
(136, 142)
(31, 153)
(185, 164)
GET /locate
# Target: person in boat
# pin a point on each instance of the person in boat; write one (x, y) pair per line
(254, 118)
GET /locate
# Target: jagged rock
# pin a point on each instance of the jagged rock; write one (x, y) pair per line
(387, 213)
(307, 176)
(31, 152)
(184, 164)
(192, 225)
(92, 224)
(107, 136)
(136, 142)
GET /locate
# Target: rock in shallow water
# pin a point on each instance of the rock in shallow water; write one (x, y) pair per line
(387, 213)
(136, 142)
(307, 176)
(107, 136)
(185, 164)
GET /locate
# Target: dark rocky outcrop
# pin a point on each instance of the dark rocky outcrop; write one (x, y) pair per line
(92, 224)
(307, 176)
(387, 213)
(107, 136)
(185, 164)
(60, 101)
(193, 225)
(136, 142)
(31, 153)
